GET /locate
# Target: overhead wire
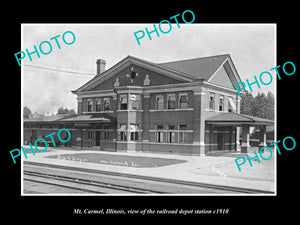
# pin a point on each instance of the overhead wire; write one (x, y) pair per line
(57, 70)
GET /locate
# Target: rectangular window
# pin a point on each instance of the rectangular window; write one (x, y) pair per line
(134, 132)
(171, 134)
(90, 105)
(171, 101)
(123, 102)
(106, 103)
(90, 134)
(159, 134)
(159, 102)
(134, 136)
(231, 105)
(135, 101)
(98, 105)
(182, 135)
(106, 135)
(123, 136)
(221, 103)
(212, 101)
(183, 101)
(123, 132)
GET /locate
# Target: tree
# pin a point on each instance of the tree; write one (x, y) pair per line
(247, 103)
(62, 110)
(65, 111)
(269, 106)
(260, 106)
(26, 112)
(72, 111)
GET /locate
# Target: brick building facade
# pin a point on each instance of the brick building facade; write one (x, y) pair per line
(184, 107)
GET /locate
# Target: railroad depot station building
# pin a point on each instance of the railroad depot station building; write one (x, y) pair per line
(184, 107)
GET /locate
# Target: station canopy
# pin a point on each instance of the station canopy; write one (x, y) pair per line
(235, 119)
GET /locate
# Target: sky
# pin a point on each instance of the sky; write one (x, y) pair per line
(252, 48)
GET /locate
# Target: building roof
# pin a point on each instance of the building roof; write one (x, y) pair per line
(199, 68)
(68, 118)
(187, 70)
(237, 119)
(50, 118)
(86, 118)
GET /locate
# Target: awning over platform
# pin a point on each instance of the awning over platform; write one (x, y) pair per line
(236, 119)
(87, 119)
(60, 119)
(49, 119)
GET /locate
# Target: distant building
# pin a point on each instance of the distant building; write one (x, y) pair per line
(49, 114)
(185, 107)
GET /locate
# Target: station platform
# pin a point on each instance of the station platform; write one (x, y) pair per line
(217, 168)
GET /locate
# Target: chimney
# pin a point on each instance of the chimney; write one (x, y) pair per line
(100, 66)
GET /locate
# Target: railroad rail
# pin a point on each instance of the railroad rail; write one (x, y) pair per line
(108, 182)
(89, 186)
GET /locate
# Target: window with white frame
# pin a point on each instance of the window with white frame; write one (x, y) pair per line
(98, 105)
(134, 132)
(212, 100)
(183, 101)
(90, 134)
(123, 102)
(171, 134)
(171, 100)
(90, 105)
(105, 135)
(231, 105)
(221, 103)
(159, 134)
(159, 104)
(106, 103)
(181, 133)
(135, 101)
(123, 132)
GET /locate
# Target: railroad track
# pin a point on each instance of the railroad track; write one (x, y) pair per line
(85, 185)
(107, 182)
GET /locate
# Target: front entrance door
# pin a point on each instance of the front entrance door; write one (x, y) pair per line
(97, 138)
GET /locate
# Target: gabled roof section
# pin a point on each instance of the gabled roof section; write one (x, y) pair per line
(199, 68)
(98, 79)
(188, 70)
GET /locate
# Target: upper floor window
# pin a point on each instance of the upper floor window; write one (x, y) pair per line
(98, 104)
(221, 103)
(171, 101)
(123, 102)
(106, 103)
(183, 101)
(159, 102)
(231, 105)
(212, 101)
(90, 105)
(135, 101)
